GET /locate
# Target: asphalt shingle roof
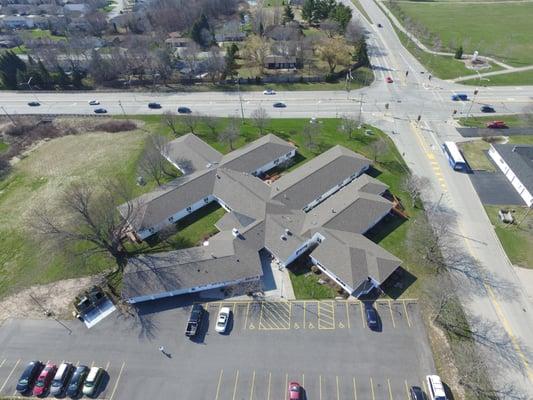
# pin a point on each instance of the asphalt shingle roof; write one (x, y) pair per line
(520, 159)
(191, 153)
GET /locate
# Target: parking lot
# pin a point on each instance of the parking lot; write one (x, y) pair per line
(324, 345)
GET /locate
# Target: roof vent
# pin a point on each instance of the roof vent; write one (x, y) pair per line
(288, 232)
(283, 237)
(218, 176)
(514, 149)
(333, 211)
(235, 232)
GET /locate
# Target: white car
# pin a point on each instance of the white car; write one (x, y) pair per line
(94, 103)
(269, 91)
(222, 320)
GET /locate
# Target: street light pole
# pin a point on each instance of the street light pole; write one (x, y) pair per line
(8, 115)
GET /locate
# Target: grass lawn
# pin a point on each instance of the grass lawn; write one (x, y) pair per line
(475, 156)
(41, 34)
(512, 121)
(3, 146)
(502, 30)
(306, 286)
(516, 240)
(515, 78)
(440, 66)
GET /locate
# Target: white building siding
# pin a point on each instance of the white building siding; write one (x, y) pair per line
(274, 163)
(326, 271)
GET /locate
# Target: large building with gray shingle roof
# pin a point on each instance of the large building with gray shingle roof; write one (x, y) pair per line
(320, 210)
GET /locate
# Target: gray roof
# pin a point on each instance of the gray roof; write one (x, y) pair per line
(224, 259)
(519, 157)
(256, 154)
(191, 153)
(353, 257)
(301, 186)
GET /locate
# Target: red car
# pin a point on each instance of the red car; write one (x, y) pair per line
(295, 391)
(496, 125)
(45, 378)
(389, 79)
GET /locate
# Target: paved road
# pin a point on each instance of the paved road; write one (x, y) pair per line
(499, 298)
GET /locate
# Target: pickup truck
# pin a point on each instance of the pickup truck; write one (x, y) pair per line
(195, 320)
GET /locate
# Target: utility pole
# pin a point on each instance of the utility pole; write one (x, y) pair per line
(122, 108)
(48, 313)
(8, 115)
(476, 91)
(240, 99)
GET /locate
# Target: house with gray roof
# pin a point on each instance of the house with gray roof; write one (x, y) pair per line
(320, 210)
(516, 162)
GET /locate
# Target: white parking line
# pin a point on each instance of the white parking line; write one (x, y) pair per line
(9, 376)
(118, 380)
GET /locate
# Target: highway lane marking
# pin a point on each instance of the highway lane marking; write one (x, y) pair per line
(118, 380)
(9, 376)
(252, 387)
(320, 386)
(286, 385)
(235, 385)
(219, 383)
(337, 380)
(269, 383)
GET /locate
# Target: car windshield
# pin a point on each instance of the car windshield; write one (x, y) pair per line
(39, 384)
(23, 381)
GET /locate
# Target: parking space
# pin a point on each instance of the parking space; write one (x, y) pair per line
(313, 315)
(11, 369)
(268, 385)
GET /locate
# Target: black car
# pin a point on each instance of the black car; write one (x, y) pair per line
(279, 105)
(100, 111)
(154, 105)
(372, 318)
(184, 110)
(417, 393)
(76, 382)
(34, 104)
(29, 376)
(487, 109)
(380, 26)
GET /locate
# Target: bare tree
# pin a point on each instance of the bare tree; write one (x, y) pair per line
(89, 216)
(415, 185)
(349, 125)
(191, 121)
(171, 120)
(378, 147)
(153, 162)
(231, 133)
(261, 119)
(354, 32)
(310, 133)
(212, 123)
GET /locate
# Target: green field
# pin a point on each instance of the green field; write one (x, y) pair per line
(3, 146)
(512, 121)
(41, 34)
(517, 240)
(475, 156)
(514, 78)
(502, 30)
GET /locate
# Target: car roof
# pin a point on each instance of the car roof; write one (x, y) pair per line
(92, 373)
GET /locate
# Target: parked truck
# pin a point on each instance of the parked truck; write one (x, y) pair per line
(195, 320)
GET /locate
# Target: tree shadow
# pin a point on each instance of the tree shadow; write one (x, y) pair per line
(397, 283)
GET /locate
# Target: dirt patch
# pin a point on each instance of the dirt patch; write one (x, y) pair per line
(56, 297)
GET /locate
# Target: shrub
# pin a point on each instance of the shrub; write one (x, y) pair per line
(5, 166)
(459, 53)
(114, 126)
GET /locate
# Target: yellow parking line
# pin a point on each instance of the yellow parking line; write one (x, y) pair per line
(286, 385)
(9, 376)
(406, 314)
(235, 385)
(118, 380)
(392, 315)
(252, 388)
(390, 390)
(338, 395)
(219, 383)
(269, 383)
(362, 314)
(246, 317)
(347, 315)
(354, 390)
(407, 390)
(372, 389)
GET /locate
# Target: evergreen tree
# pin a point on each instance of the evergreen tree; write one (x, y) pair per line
(342, 14)
(459, 53)
(10, 64)
(63, 79)
(361, 55)
(308, 11)
(198, 32)
(46, 79)
(288, 14)
(231, 64)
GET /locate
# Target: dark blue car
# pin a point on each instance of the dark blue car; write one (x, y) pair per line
(29, 376)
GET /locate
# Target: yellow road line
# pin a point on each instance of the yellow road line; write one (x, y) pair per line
(9, 376)
(390, 390)
(338, 395)
(219, 383)
(252, 387)
(407, 390)
(508, 329)
(354, 390)
(286, 385)
(118, 380)
(392, 315)
(372, 389)
(348, 316)
(269, 383)
(406, 314)
(235, 385)
(246, 317)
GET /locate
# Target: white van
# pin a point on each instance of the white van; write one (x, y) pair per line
(435, 388)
